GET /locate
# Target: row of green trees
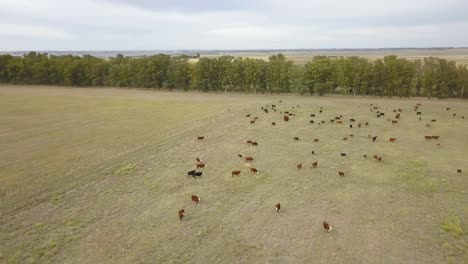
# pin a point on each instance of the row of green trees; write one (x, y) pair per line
(390, 76)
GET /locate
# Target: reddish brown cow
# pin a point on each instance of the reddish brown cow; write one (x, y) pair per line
(235, 173)
(327, 227)
(299, 166)
(286, 118)
(248, 159)
(376, 157)
(339, 122)
(428, 137)
(254, 170)
(181, 214)
(278, 207)
(341, 173)
(201, 165)
(195, 199)
(314, 165)
(392, 139)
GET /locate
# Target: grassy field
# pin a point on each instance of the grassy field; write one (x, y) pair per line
(459, 55)
(98, 175)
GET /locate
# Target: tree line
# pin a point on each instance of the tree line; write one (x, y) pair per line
(390, 76)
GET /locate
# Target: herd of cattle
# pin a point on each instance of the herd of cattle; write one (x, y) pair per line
(286, 116)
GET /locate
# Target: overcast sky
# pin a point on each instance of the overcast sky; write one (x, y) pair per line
(233, 24)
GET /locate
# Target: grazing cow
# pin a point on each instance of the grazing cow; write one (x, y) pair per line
(278, 207)
(341, 173)
(459, 171)
(351, 135)
(366, 124)
(447, 108)
(352, 120)
(314, 165)
(339, 122)
(428, 125)
(394, 121)
(299, 166)
(374, 138)
(195, 199)
(433, 120)
(312, 115)
(420, 119)
(337, 117)
(392, 139)
(198, 174)
(323, 122)
(313, 152)
(350, 126)
(397, 116)
(359, 125)
(254, 143)
(311, 122)
(200, 138)
(296, 139)
(286, 118)
(273, 123)
(418, 113)
(320, 111)
(248, 159)
(435, 137)
(376, 157)
(454, 114)
(181, 214)
(428, 137)
(380, 159)
(332, 120)
(343, 154)
(327, 227)
(252, 122)
(316, 139)
(201, 165)
(248, 115)
(191, 173)
(254, 170)
(240, 155)
(365, 156)
(235, 173)
(249, 141)
(266, 111)
(345, 138)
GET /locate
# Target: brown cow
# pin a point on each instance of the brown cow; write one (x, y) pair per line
(235, 173)
(195, 199)
(341, 173)
(314, 165)
(249, 141)
(428, 137)
(380, 159)
(376, 157)
(198, 160)
(359, 125)
(392, 139)
(252, 122)
(254, 170)
(278, 207)
(181, 214)
(316, 140)
(339, 122)
(366, 124)
(200, 138)
(286, 118)
(299, 166)
(394, 121)
(327, 227)
(248, 115)
(201, 165)
(248, 159)
(345, 138)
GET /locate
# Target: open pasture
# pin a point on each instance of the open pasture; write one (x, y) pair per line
(98, 176)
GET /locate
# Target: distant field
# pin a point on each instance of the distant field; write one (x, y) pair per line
(460, 56)
(98, 175)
